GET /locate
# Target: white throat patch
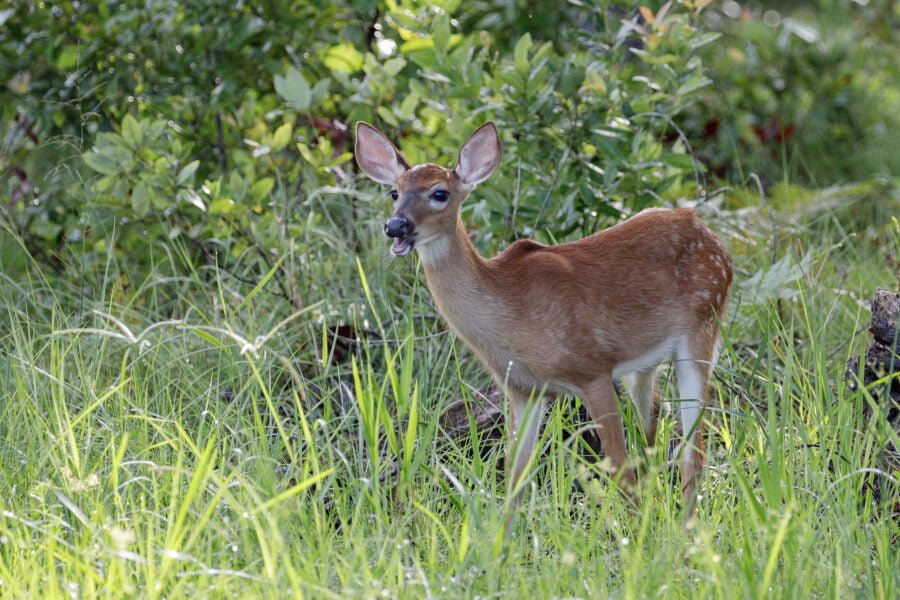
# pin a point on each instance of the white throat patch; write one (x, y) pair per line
(433, 249)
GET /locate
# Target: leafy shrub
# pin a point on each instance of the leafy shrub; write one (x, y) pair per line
(231, 122)
(811, 93)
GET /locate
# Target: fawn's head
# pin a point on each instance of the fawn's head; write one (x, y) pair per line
(426, 197)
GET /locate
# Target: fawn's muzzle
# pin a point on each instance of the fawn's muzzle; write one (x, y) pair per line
(401, 230)
(397, 227)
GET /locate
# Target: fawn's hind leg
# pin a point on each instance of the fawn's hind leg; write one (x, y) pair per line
(646, 398)
(694, 362)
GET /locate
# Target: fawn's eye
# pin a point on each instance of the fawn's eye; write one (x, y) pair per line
(394, 195)
(440, 195)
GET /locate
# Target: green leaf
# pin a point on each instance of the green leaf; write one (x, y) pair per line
(224, 205)
(101, 162)
(427, 59)
(441, 35)
(694, 83)
(340, 159)
(292, 491)
(657, 59)
(542, 52)
(192, 197)
(237, 187)
(513, 78)
(110, 155)
(187, 171)
(282, 137)
(571, 80)
(68, 58)
(209, 338)
(320, 90)
(409, 105)
(293, 88)
(263, 281)
(520, 52)
(260, 189)
(704, 39)
(140, 199)
(393, 66)
(159, 200)
(387, 116)
(343, 58)
(780, 280)
(107, 183)
(306, 153)
(416, 44)
(131, 132)
(610, 172)
(45, 229)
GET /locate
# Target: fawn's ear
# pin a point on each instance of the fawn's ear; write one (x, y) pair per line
(479, 156)
(377, 156)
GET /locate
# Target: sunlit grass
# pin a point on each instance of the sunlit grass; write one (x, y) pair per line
(173, 437)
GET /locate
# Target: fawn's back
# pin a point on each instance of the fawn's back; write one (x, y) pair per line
(611, 299)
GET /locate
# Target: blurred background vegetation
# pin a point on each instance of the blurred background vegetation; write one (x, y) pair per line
(223, 128)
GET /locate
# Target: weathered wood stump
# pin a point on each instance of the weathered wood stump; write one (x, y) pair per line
(882, 357)
(881, 363)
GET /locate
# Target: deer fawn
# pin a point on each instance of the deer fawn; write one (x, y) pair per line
(570, 318)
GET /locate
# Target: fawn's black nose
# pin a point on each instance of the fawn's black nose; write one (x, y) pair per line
(397, 227)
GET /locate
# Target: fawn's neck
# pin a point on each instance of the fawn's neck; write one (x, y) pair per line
(462, 287)
(452, 265)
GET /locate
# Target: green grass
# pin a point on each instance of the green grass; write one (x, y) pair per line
(170, 436)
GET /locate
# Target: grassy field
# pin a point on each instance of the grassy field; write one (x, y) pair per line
(183, 434)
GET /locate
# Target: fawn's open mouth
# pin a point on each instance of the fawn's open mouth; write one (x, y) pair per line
(403, 245)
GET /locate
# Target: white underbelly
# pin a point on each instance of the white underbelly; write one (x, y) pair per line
(648, 360)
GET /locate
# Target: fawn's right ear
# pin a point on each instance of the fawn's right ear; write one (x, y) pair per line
(377, 156)
(479, 156)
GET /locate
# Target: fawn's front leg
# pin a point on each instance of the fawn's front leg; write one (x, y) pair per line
(600, 399)
(525, 414)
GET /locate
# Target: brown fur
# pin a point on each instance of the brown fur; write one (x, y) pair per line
(570, 318)
(423, 177)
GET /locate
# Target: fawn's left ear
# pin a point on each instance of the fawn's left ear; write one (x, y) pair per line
(377, 156)
(479, 156)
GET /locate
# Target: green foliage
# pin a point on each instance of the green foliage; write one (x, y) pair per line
(601, 108)
(167, 438)
(207, 120)
(221, 387)
(806, 92)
